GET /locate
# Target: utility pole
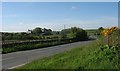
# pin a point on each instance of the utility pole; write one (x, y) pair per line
(64, 32)
(64, 27)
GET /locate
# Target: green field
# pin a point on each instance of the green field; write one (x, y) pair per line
(91, 56)
(91, 31)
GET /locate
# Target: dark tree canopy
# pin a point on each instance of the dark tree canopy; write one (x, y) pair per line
(99, 30)
(76, 33)
(37, 31)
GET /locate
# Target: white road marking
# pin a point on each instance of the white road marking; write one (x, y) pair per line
(17, 66)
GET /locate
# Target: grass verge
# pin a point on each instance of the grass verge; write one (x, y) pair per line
(91, 56)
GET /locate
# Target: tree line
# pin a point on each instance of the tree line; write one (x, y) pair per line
(43, 33)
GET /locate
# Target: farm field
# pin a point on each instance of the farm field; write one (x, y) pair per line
(91, 31)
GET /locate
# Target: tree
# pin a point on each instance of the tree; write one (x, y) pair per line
(47, 31)
(37, 31)
(78, 33)
(99, 30)
(64, 33)
(75, 33)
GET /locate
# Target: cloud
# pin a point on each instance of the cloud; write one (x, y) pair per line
(58, 25)
(10, 16)
(74, 8)
(21, 23)
(88, 24)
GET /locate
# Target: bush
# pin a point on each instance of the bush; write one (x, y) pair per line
(28, 46)
(77, 34)
(116, 38)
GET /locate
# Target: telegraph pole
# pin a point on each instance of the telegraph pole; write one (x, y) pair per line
(64, 32)
(64, 27)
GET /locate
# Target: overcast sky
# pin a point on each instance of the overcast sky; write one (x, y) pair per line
(21, 16)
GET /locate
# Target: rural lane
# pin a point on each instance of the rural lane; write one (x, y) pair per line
(15, 59)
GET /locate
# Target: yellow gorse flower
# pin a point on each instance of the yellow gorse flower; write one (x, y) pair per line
(114, 28)
(108, 31)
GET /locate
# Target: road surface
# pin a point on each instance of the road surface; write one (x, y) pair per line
(15, 59)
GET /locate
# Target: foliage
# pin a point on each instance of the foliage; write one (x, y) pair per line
(47, 31)
(96, 55)
(37, 31)
(115, 38)
(90, 56)
(70, 35)
(108, 32)
(7, 48)
(12, 36)
(75, 33)
(100, 29)
(91, 32)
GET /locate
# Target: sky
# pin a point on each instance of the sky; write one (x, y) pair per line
(21, 16)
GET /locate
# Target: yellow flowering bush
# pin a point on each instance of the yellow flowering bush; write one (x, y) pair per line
(107, 32)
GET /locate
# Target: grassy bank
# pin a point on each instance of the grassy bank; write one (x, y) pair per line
(91, 56)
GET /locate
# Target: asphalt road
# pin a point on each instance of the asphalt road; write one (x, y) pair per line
(15, 59)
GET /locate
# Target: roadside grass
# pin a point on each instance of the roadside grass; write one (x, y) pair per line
(90, 56)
